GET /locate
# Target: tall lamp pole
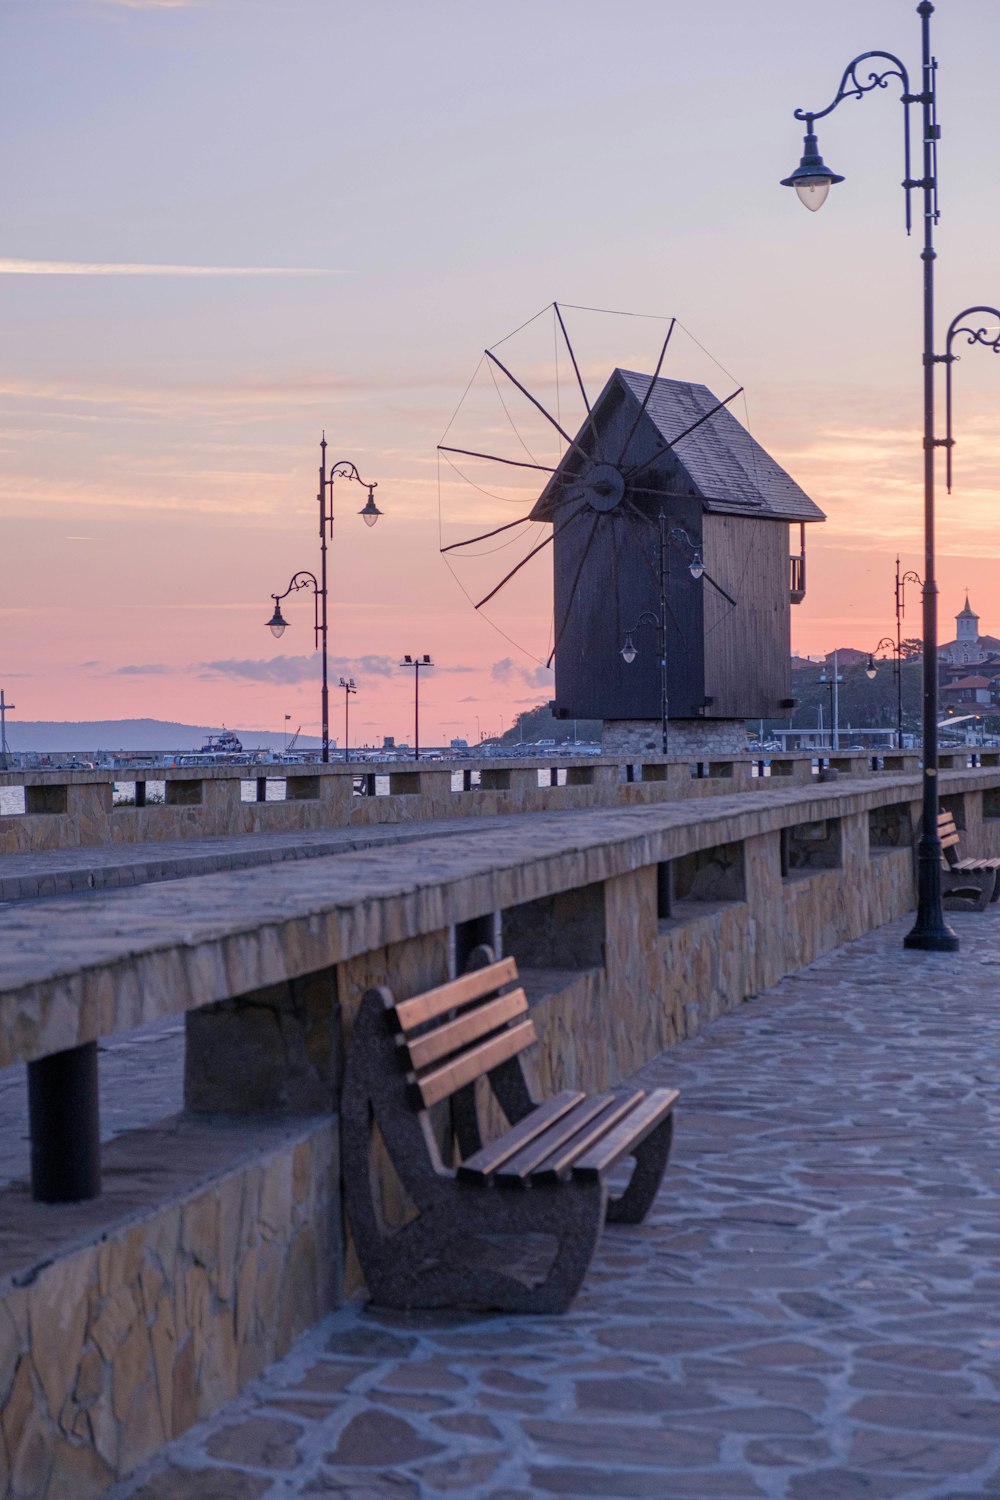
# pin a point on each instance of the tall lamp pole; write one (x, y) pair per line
(416, 662)
(349, 687)
(629, 650)
(812, 181)
(343, 468)
(5, 709)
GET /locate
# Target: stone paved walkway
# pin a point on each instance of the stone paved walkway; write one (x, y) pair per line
(811, 1312)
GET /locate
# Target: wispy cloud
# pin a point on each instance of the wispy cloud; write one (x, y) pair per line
(150, 4)
(510, 672)
(9, 267)
(144, 669)
(292, 669)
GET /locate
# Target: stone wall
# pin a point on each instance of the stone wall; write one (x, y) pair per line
(217, 1238)
(160, 1301)
(704, 739)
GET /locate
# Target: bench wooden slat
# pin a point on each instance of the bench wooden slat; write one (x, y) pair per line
(467, 1028)
(481, 1166)
(461, 991)
(518, 1168)
(444, 1081)
(946, 822)
(616, 1144)
(977, 864)
(558, 1165)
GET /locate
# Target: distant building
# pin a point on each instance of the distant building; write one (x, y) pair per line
(968, 647)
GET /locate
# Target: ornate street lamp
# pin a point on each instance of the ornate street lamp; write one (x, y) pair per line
(812, 180)
(416, 662)
(369, 513)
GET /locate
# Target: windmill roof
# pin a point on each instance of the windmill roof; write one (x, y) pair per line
(728, 468)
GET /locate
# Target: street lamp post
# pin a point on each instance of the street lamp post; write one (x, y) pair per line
(5, 709)
(343, 468)
(812, 181)
(416, 662)
(349, 687)
(629, 650)
(833, 683)
(871, 672)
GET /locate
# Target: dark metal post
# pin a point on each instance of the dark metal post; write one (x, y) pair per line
(664, 702)
(325, 692)
(930, 931)
(5, 709)
(416, 710)
(64, 1116)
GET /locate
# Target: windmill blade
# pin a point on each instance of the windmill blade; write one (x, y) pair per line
(485, 536)
(649, 391)
(516, 463)
(556, 531)
(630, 473)
(547, 415)
(572, 591)
(579, 377)
(719, 589)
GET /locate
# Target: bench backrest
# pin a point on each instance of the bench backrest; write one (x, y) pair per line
(948, 834)
(461, 1031)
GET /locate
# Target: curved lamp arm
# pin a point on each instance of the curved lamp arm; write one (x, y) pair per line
(301, 580)
(813, 178)
(974, 333)
(871, 669)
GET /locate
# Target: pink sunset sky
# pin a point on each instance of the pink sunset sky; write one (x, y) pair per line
(232, 224)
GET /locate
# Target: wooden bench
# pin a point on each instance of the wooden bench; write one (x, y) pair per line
(510, 1223)
(969, 884)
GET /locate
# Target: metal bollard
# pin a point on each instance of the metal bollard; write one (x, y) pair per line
(64, 1116)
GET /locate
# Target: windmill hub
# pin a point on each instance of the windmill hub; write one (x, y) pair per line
(602, 487)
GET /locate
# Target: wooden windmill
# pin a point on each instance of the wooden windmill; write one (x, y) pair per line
(674, 568)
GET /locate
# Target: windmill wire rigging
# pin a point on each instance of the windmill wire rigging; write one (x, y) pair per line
(491, 494)
(492, 623)
(461, 399)
(510, 419)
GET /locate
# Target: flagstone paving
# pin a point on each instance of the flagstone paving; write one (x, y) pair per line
(811, 1312)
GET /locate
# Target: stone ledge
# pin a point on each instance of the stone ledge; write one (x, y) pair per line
(126, 1320)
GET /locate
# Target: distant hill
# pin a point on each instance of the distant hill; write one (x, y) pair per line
(44, 736)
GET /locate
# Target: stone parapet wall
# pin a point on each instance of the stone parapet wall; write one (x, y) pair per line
(75, 809)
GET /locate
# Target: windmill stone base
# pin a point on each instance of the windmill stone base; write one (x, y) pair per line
(705, 738)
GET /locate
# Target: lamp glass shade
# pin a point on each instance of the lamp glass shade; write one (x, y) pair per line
(277, 623)
(696, 567)
(370, 513)
(629, 653)
(871, 669)
(813, 191)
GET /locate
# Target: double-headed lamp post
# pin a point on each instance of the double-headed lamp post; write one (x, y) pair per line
(629, 650)
(416, 662)
(349, 686)
(369, 513)
(812, 181)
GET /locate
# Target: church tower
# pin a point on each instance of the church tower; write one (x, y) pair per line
(966, 626)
